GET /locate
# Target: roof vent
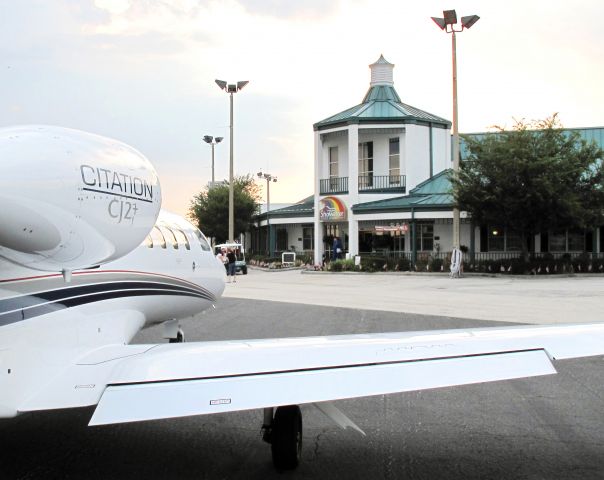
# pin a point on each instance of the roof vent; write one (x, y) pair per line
(381, 72)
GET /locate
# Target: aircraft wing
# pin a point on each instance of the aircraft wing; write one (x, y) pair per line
(173, 380)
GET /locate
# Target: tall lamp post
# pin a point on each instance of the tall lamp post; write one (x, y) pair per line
(231, 88)
(268, 177)
(212, 141)
(447, 24)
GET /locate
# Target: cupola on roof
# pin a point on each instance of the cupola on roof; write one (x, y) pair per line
(382, 72)
(382, 104)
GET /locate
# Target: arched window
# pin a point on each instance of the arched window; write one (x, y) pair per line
(205, 245)
(170, 237)
(181, 237)
(157, 237)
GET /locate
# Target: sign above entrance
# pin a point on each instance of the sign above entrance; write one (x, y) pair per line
(332, 209)
(397, 229)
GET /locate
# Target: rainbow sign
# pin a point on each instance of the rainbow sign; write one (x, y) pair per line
(331, 209)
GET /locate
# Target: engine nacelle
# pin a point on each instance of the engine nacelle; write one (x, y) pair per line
(71, 199)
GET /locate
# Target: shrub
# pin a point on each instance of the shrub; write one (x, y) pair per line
(342, 266)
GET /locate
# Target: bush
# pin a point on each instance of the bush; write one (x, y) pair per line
(403, 265)
(342, 266)
(436, 264)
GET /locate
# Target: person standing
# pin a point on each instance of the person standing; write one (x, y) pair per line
(337, 250)
(232, 262)
(222, 258)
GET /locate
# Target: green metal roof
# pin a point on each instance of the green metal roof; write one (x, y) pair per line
(433, 194)
(303, 208)
(381, 103)
(439, 183)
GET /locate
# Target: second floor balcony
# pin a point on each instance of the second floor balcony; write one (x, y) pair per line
(366, 183)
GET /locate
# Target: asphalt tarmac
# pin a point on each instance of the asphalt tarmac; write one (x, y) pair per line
(541, 428)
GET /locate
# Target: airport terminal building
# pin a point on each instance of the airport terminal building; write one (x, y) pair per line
(381, 186)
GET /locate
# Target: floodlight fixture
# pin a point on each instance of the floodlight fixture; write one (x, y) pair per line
(218, 139)
(208, 138)
(450, 17)
(221, 83)
(242, 84)
(440, 22)
(469, 20)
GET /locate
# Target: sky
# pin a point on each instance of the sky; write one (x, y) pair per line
(143, 71)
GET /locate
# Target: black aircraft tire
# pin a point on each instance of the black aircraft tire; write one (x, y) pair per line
(286, 437)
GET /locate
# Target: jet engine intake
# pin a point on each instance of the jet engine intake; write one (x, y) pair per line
(71, 199)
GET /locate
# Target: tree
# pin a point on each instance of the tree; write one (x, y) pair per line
(531, 179)
(210, 208)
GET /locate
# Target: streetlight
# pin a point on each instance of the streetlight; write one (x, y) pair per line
(212, 141)
(268, 177)
(231, 88)
(447, 24)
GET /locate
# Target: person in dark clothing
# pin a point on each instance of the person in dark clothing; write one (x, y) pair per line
(336, 252)
(232, 258)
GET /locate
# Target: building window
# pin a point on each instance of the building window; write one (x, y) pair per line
(365, 165)
(333, 168)
(424, 237)
(576, 241)
(281, 245)
(394, 161)
(501, 239)
(307, 238)
(557, 241)
(333, 162)
(567, 241)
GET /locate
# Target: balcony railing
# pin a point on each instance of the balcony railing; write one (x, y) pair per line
(367, 183)
(333, 185)
(382, 183)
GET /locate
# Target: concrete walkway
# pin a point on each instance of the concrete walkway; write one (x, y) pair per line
(537, 300)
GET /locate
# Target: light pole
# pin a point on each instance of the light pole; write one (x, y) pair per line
(268, 177)
(231, 88)
(212, 141)
(447, 24)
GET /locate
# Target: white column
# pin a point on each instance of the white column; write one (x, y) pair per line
(353, 162)
(353, 188)
(318, 234)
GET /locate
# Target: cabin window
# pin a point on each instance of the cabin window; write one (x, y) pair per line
(205, 246)
(170, 237)
(181, 237)
(157, 237)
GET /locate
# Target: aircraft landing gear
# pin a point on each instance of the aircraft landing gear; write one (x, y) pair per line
(284, 433)
(180, 337)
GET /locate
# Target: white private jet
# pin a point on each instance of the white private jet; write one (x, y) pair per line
(87, 259)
